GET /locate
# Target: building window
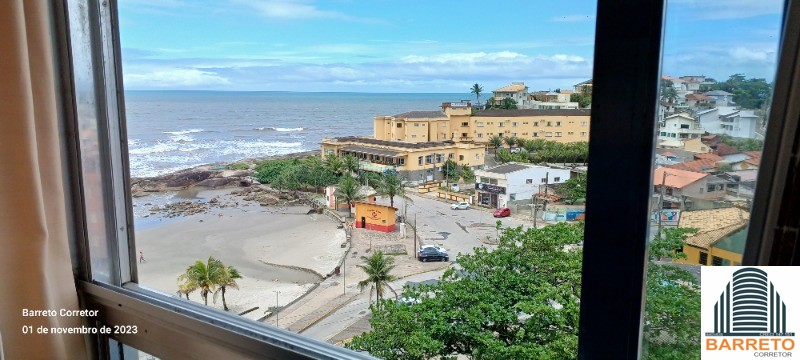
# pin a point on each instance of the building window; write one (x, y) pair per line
(513, 124)
(429, 159)
(544, 180)
(524, 123)
(716, 261)
(512, 197)
(416, 124)
(480, 124)
(583, 123)
(460, 157)
(480, 136)
(464, 124)
(558, 123)
(535, 123)
(558, 134)
(513, 134)
(549, 123)
(401, 161)
(414, 136)
(420, 160)
(528, 181)
(524, 134)
(711, 187)
(535, 134)
(548, 134)
(501, 124)
(399, 125)
(583, 133)
(556, 179)
(463, 135)
(703, 258)
(450, 155)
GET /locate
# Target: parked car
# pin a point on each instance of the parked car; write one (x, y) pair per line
(432, 253)
(502, 212)
(460, 206)
(516, 150)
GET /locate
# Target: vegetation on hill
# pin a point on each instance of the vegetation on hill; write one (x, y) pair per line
(542, 151)
(750, 93)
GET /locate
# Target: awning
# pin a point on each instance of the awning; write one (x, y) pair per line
(370, 150)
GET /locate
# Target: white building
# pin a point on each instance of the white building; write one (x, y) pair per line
(720, 98)
(741, 124)
(679, 126)
(500, 185)
(517, 91)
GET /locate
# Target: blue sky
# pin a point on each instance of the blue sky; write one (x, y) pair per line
(417, 46)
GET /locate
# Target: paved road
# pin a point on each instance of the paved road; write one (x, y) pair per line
(458, 231)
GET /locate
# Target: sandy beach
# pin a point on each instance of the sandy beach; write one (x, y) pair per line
(276, 248)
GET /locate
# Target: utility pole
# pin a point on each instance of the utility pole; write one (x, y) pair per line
(415, 235)
(344, 273)
(534, 209)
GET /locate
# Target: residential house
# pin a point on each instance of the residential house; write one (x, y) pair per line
(701, 166)
(740, 124)
(743, 161)
(681, 186)
(720, 238)
(696, 146)
(501, 185)
(697, 100)
(679, 126)
(720, 98)
(517, 91)
(552, 100)
(584, 88)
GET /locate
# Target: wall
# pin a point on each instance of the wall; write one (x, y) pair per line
(377, 217)
(693, 255)
(532, 127)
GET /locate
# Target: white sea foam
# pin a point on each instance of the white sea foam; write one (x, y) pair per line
(184, 132)
(268, 128)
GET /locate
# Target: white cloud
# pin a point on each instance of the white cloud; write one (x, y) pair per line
(298, 10)
(573, 18)
(728, 9)
(173, 78)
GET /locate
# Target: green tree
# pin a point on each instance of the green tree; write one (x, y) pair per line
(508, 103)
(391, 185)
(668, 92)
(582, 100)
(378, 268)
(467, 174)
(203, 276)
(510, 141)
(227, 279)
(672, 305)
(496, 142)
(748, 93)
(351, 164)
(477, 89)
(348, 191)
(497, 306)
(573, 189)
(451, 170)
(335, 164)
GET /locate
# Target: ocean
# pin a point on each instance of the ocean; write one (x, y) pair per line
(174, 130)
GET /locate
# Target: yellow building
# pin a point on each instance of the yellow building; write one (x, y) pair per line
(374, 216)
(414, 161)
(720, 238)
(457, 123)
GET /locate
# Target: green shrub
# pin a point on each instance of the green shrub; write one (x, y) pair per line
(238, 166)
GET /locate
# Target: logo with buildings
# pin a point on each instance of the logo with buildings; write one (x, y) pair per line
(750, 306)
(751, 317)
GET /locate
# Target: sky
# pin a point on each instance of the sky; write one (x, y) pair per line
(415, 46)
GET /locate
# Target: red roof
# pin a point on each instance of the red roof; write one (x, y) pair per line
(697, 97)
(723, 149)
(753, 154)
(669, 154)
(701, 166)
(708, 156)
(754, 161)
(676, 178)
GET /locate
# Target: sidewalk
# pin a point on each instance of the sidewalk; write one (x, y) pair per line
(338, 290)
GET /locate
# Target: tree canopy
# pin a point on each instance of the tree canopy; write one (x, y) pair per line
(748, 93)
(498, 303)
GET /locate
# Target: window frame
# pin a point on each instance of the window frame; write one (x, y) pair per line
(628, 93)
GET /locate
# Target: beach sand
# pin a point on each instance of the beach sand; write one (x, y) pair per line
(275, 248)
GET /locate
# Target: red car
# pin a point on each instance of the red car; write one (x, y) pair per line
(502, 212)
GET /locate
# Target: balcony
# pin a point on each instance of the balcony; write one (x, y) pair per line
(379, 168)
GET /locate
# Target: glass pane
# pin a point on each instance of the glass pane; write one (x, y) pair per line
(308, 144)
(716, 92)
(92, 140)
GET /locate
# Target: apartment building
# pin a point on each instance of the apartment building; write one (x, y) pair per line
(517, 91)
(455, 122)
(415, 161)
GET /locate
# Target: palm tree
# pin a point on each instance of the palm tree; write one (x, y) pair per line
(496, 142)
(334, 164)
(477, 89)
(510, 141)
(202, 276)
(348, 190)
(351, 163)
(227, 279)
(391, 185)
(377, 267)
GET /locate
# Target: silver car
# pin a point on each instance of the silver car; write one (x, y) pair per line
(460, 206)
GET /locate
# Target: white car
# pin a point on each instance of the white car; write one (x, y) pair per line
(460, 206)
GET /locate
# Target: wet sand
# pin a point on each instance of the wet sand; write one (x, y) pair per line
(266, 244)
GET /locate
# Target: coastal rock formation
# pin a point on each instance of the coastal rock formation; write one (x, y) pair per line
(183, 208)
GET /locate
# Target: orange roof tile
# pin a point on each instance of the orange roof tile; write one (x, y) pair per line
(724, 149)
(708, 156)
(676, 178)
(701, 165)
(753, 161)
(753, 154)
